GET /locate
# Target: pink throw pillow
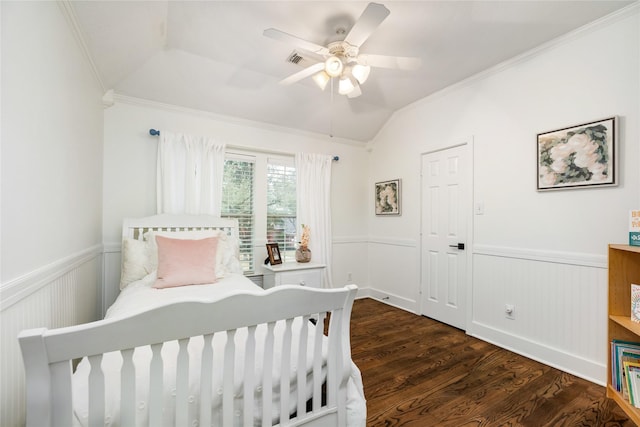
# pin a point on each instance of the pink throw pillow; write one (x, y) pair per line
(184, 262)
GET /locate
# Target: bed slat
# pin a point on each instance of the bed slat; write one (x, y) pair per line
(285, 368)
(182, 384)
(96, 392)
(301, 364)
(128, 389)
(155, 386)
(227, 379)
(206, 380)
(317, 363)
(333, 368)
(267, 376)
(249, 376)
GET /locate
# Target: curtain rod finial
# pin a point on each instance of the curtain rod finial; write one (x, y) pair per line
(154, 132)
(336, 158)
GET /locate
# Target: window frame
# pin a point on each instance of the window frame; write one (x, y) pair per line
(261, 160)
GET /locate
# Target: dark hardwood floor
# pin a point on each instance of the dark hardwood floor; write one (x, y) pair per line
(419, 372)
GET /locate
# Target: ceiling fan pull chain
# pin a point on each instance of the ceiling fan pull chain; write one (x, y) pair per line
(331, 112)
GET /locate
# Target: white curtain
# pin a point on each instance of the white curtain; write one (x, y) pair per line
(190, 170)
(314, 206)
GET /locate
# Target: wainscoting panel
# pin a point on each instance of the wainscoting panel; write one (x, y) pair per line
(71, 296)
(394, 272)
(111, 277)
(559, 307)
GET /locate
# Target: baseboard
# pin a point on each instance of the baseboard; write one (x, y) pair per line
(389, 299)
(573, 364)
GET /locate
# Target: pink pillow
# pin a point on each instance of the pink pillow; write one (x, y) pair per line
(184, 262)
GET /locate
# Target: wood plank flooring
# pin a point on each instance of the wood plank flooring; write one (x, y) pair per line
(419, 372)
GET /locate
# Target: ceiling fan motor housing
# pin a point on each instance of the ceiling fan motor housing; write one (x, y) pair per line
(343, 50)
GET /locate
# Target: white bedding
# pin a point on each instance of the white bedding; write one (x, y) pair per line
(139, 296)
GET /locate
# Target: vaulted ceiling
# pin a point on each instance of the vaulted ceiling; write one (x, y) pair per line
(213, 56)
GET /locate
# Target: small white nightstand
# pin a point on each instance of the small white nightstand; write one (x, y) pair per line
(293, 273)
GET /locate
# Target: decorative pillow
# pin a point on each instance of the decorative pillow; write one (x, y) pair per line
(227, 258)
(136, 262)
(184, 262)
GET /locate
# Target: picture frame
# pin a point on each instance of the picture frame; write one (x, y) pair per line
(580, 156)
(387, 197)
(273, 250)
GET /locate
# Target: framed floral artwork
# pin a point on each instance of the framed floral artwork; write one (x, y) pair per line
(578, 156)
(387, 197)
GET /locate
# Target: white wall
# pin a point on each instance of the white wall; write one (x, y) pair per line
(51, 124)
(51, 200)
(560, 238)
(130, 172)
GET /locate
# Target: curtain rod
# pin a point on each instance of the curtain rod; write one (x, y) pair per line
(154, 132)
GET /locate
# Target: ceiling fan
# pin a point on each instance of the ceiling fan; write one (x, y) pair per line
(342, 59)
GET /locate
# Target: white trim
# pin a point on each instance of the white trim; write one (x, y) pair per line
(596, 25)
(392, 300)
(410, 243)
(17, 289)
(347, 240)
(68, 11)
(111, 247)
(571, 258)
(231, 120)
(589, 370)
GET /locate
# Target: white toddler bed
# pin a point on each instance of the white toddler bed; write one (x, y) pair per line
(226, 353)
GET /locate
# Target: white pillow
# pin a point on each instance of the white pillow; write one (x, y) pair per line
(228, 256)
(136, 261)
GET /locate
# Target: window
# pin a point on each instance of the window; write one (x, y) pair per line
(281, 206)
(260, 192)
(237, 202)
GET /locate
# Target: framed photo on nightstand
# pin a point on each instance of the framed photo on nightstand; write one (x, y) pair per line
(273, 250)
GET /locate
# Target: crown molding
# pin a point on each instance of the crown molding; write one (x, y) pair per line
(141, 102)
(69, 13)
(593, 26)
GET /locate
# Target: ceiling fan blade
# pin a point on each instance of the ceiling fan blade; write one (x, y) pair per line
(309, 71)
(370, 19)
(296, 41)
(393, 62)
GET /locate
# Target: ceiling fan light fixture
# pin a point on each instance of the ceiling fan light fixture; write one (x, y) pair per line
(333, 66)
(356, 92)
(321, 79)
(361, 72)
(346, 85)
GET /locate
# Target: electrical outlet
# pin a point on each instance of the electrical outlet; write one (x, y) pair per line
(509, 311)
(348, 277)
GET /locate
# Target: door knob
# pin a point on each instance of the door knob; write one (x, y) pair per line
(458, 246)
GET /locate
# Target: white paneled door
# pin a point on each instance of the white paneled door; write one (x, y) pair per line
(446, 207)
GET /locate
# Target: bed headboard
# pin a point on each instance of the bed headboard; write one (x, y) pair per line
(136, 227)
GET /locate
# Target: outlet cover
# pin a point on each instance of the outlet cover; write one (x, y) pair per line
(509, 311)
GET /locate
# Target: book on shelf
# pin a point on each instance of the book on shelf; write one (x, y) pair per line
(634, 228)
(632, 376)
(635, 303)
(622, 351)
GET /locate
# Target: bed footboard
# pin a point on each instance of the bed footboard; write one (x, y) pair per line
(251, 358)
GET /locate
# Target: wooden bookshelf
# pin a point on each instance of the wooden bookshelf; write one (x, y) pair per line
(624, 269)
